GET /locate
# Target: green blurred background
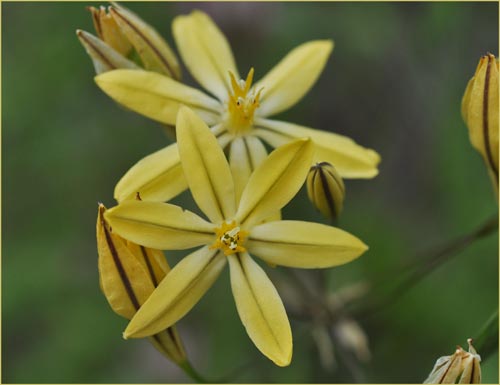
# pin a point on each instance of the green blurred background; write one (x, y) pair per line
(393, 83)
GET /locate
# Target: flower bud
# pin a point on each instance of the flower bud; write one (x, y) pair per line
(128, 274)
(326, 189)
(480, 113)
(126, 41)
(109, 32)
(103, 56)
(156, 55)
(461, 367)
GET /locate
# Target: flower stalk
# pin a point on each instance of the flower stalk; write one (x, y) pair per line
(386, 291)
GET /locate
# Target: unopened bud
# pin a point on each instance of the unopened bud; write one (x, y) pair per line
(461, 367)
(156, 55)
(126, 41)
(128, 274)
(109, 32)
(480, 113)
(326, 189)
(104, 57)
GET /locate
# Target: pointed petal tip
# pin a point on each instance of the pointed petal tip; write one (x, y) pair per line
(329, 44)
(129, 333)
(285, 360)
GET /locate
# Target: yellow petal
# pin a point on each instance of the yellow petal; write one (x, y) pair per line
(152, 260)
(159, 225)
(466, 99)
(275, 182)
(303, 244)
(293, 76)
(454, 370)
(260, 309)
(476, 374)
(205, 51)
(104, 57)
(169, 344)
(205, 167)
(157, 177)
(128, 274)
(480, 111)
(245, 155)
(156, 96)
(350, 159)
(155, 53)
(109, 32)
(325, 189)
(125, 283)
(181, 289)
(441, 367)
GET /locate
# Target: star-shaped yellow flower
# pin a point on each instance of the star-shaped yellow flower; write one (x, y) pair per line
(237, 112)
(233, 232)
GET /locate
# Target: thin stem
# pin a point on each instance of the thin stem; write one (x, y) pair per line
(418, 268)
(486, 341)
(192, 373)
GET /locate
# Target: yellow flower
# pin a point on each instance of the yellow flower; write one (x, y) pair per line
(121, 34)
(480, 113)
(128, 274)
(233, 232)
(325, 189)
(237, 112)
(460, 368)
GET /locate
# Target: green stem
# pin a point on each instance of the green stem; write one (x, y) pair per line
(192, 373)
(417, 269)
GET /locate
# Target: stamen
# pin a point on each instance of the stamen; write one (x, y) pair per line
(229, 238)
(241, 104)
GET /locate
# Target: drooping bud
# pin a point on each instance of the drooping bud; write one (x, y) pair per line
(480, 113)
(461, 367)
(326, 189)
(128, 274)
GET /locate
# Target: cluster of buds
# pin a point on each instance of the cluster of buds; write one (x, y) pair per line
(128, 274)
(461, 367)
(125, 41)
(480, 113)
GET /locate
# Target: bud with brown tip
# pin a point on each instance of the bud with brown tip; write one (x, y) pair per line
(461, 367)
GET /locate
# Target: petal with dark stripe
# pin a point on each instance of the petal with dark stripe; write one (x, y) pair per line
(125, 283)
(104, 57)
(325, 189)
(179, 291)
(155, 53)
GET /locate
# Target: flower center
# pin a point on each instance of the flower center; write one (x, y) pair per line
(241, 104)
(229, 238)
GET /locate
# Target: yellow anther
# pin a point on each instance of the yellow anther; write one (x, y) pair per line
(241, 104)
(229, 238)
